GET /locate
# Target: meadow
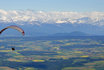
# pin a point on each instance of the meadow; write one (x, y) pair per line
(52, 53)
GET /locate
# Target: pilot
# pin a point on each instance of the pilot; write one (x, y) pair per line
(13, 49)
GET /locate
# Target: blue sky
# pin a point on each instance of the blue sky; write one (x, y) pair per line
(53, 5)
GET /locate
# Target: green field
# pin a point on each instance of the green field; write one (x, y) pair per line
(79, 53)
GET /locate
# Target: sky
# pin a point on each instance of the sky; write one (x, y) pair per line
(53, 5)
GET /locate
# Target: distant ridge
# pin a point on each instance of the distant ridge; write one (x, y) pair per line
(75, 33)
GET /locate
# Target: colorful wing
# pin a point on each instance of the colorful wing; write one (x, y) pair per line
(13, 27)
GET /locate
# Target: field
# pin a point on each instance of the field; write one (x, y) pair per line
(52, 53)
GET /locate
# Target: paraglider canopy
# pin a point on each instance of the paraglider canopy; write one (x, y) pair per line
(13, 27)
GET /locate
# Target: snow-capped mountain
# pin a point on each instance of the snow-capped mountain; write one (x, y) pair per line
(33, 17)
(53, 22)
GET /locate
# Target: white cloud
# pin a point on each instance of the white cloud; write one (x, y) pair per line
(52, 17)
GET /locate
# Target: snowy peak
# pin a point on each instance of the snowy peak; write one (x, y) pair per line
(33, 17)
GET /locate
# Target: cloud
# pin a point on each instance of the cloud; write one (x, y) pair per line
(32, 17)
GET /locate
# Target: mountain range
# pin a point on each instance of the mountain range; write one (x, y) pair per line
(75, 33)
(53, 29)
(48, 23)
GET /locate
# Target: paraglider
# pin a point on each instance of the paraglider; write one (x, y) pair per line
(13, 27)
